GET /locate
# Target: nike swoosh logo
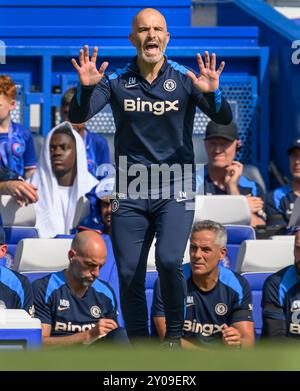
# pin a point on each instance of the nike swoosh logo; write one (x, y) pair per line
(62, 308)
(181, 199)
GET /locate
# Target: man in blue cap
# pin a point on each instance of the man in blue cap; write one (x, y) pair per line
(280, 202)
(225, 174)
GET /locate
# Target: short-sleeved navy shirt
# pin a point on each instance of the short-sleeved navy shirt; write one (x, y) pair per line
(281, 300)
(228, 302)
(280, 202)
(15, 290)
(55, 304)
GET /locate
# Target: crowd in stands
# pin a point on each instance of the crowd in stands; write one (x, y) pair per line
(78, 307)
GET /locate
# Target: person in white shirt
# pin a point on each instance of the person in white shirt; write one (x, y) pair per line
(61, 179)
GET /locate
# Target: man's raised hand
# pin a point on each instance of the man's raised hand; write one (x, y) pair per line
(87, 71)
(208, 79)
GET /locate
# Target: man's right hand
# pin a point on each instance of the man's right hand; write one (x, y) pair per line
(255, 203)
(103, 327)
(22, 191)
(87, 72)
(232, 176)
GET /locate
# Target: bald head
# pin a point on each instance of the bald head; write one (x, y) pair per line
(145, 14)
(89, 242)
(150, 36)
(87, 255)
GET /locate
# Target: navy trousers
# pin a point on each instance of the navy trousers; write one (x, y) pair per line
(134, 225)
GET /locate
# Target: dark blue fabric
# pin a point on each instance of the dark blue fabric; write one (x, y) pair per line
(15, 290)
(245, 186)
(281, 301)
(133, 228)
(207, 311)
(162, 131)
(280, 204)
(55, 304)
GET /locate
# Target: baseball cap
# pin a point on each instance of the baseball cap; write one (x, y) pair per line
(105, 187)
(2, 236)
(229, 132)
(295, 144)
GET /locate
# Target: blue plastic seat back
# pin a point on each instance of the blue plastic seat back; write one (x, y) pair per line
(32, 276)
(256, 282)
(151, 277)
(236, 234)
(12, 236)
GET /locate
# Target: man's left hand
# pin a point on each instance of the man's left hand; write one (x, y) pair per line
(231, 336)
(208, 79)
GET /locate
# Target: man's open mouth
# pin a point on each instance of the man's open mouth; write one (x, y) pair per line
(151, 47)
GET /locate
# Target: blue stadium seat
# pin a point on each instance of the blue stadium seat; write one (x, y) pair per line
(32, 276)
(13, 235)
(236, 234)
(151, 277)
(113, 281)
(256, 282)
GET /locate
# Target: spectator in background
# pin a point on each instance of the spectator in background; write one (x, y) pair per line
(218, 302)
(281, 299)
(14, 185)
(62, 178)
(16, 143)
(74, 306)
(97, 150)
(280, 202)
(15, 289)
(224, 174)
(100, 206)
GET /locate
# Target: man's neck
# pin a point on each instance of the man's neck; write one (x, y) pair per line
(296, 186)
(217, 175)
(4, 125)
(66, 179)
(76, 287)
(208, 281)
(149, 71)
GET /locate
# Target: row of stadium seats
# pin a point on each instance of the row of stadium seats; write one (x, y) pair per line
(226, 209)
(19, 222)
(256, 260)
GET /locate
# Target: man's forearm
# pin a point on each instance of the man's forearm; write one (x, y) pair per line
(219, 112)
(247, 341)
(87, 102)
(75, 339)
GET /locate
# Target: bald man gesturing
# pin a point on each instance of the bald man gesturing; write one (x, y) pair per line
(74, 306)
(153, 101)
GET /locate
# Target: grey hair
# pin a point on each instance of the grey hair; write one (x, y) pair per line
(209, 225)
